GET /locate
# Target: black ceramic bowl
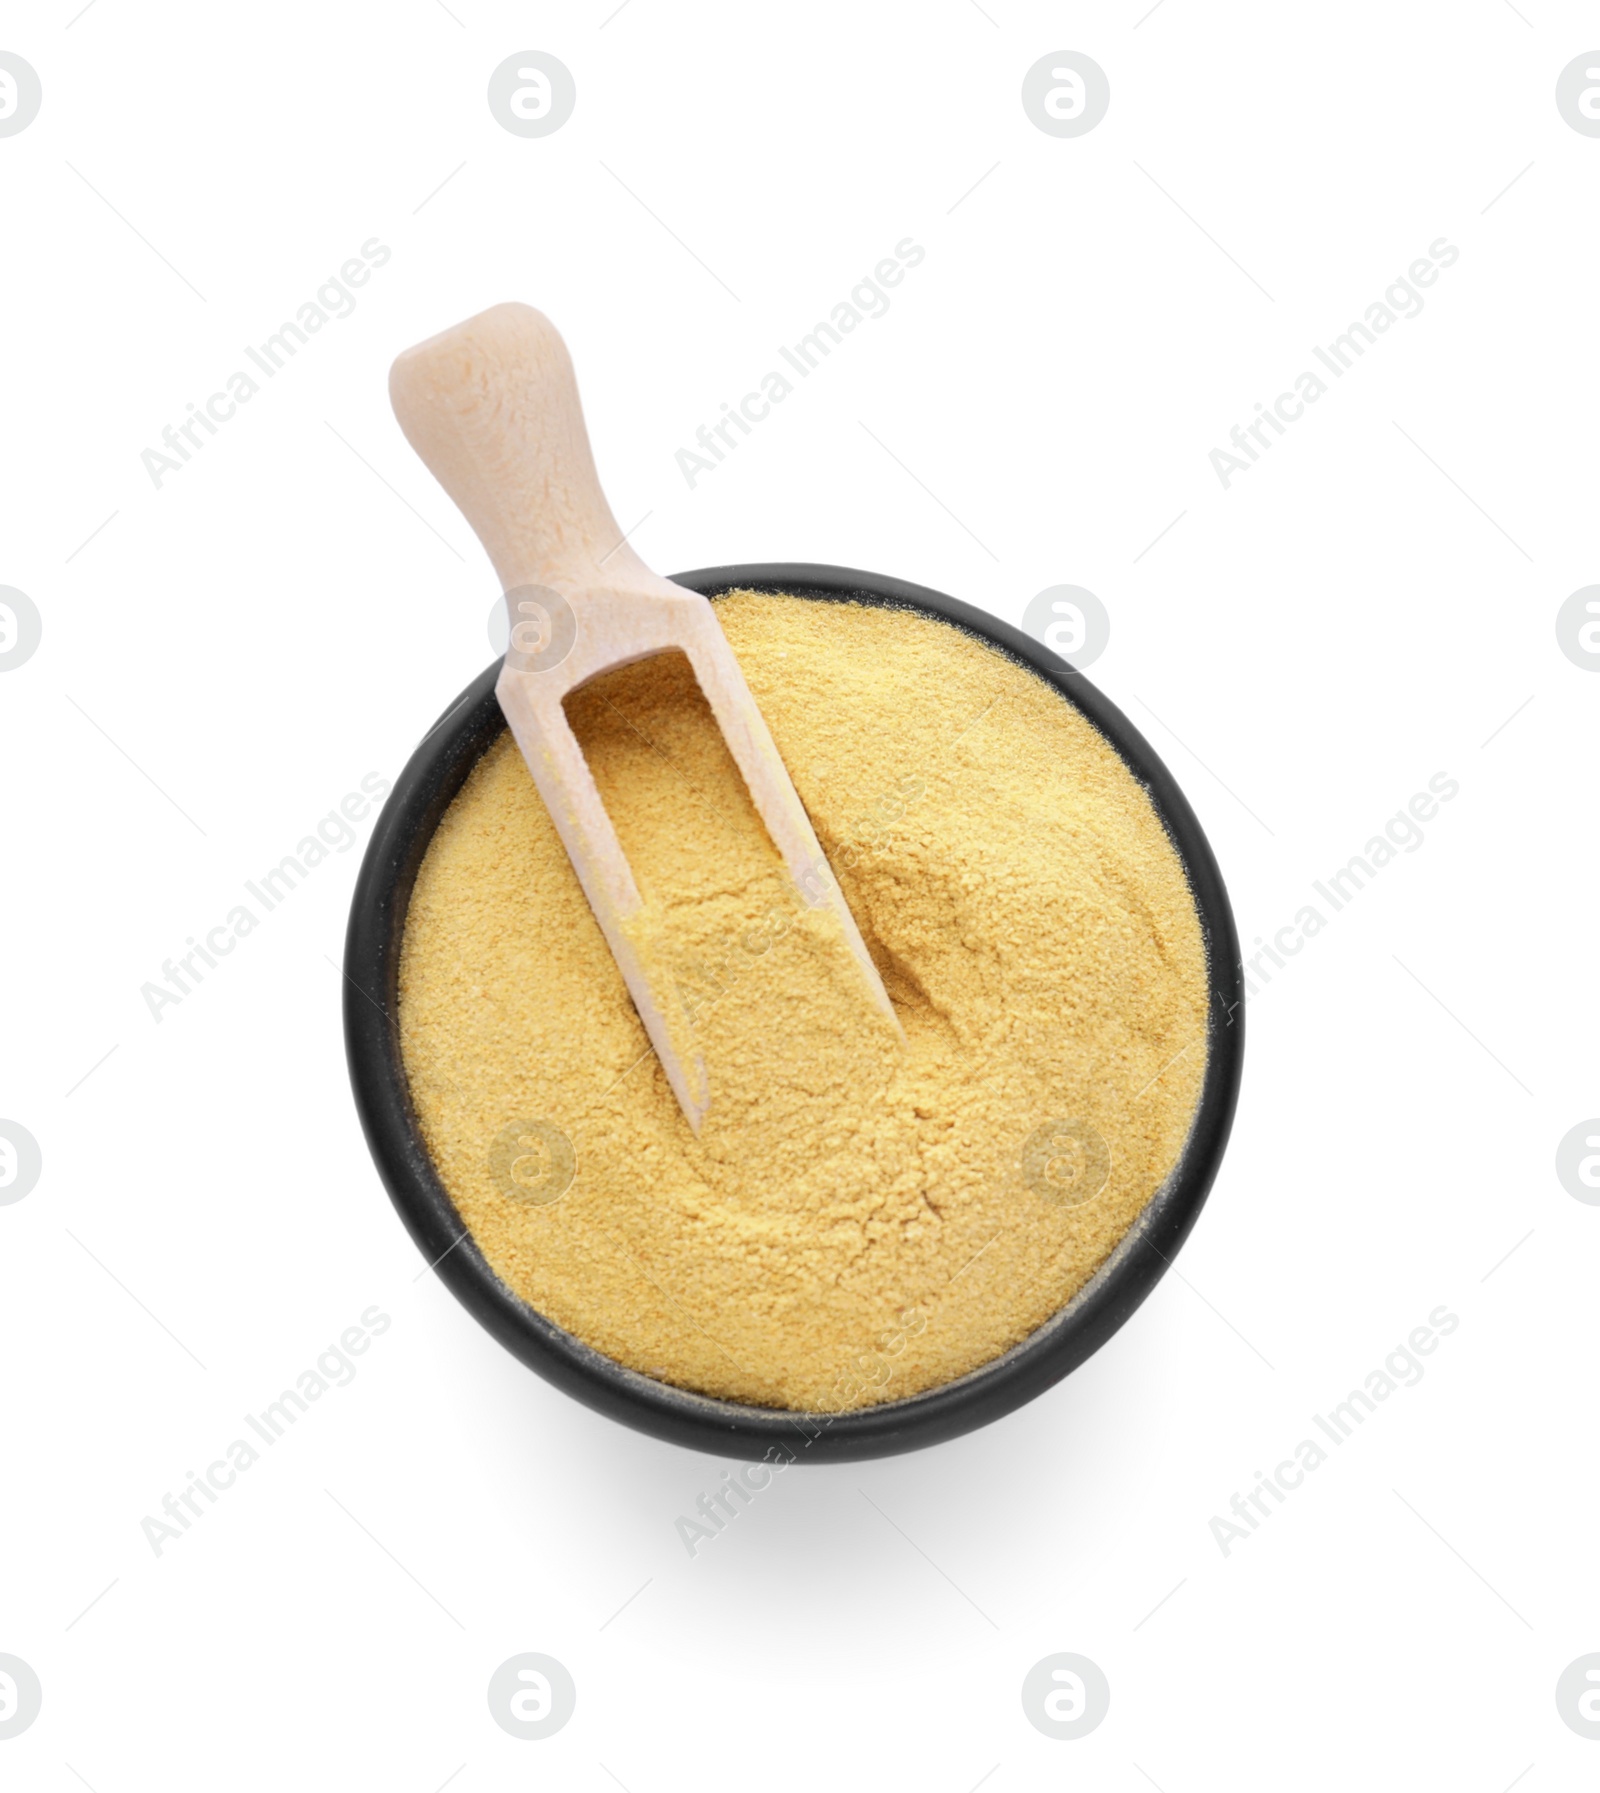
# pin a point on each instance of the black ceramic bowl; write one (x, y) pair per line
(424, 791)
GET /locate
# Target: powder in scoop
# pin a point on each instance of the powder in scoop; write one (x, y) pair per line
(863, 1216)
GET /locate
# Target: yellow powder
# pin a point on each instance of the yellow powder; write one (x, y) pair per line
(862, 1217)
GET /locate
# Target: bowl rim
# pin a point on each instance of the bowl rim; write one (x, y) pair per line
(435, 772)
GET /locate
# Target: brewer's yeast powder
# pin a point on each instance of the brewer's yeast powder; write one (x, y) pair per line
(863, 1216)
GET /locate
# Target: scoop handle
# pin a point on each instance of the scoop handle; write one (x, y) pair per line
(491, 406)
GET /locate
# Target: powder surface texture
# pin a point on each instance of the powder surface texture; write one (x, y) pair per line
(863, 1216)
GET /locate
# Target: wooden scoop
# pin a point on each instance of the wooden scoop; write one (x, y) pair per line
(492, 408)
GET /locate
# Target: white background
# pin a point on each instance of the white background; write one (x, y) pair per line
(232, 652)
